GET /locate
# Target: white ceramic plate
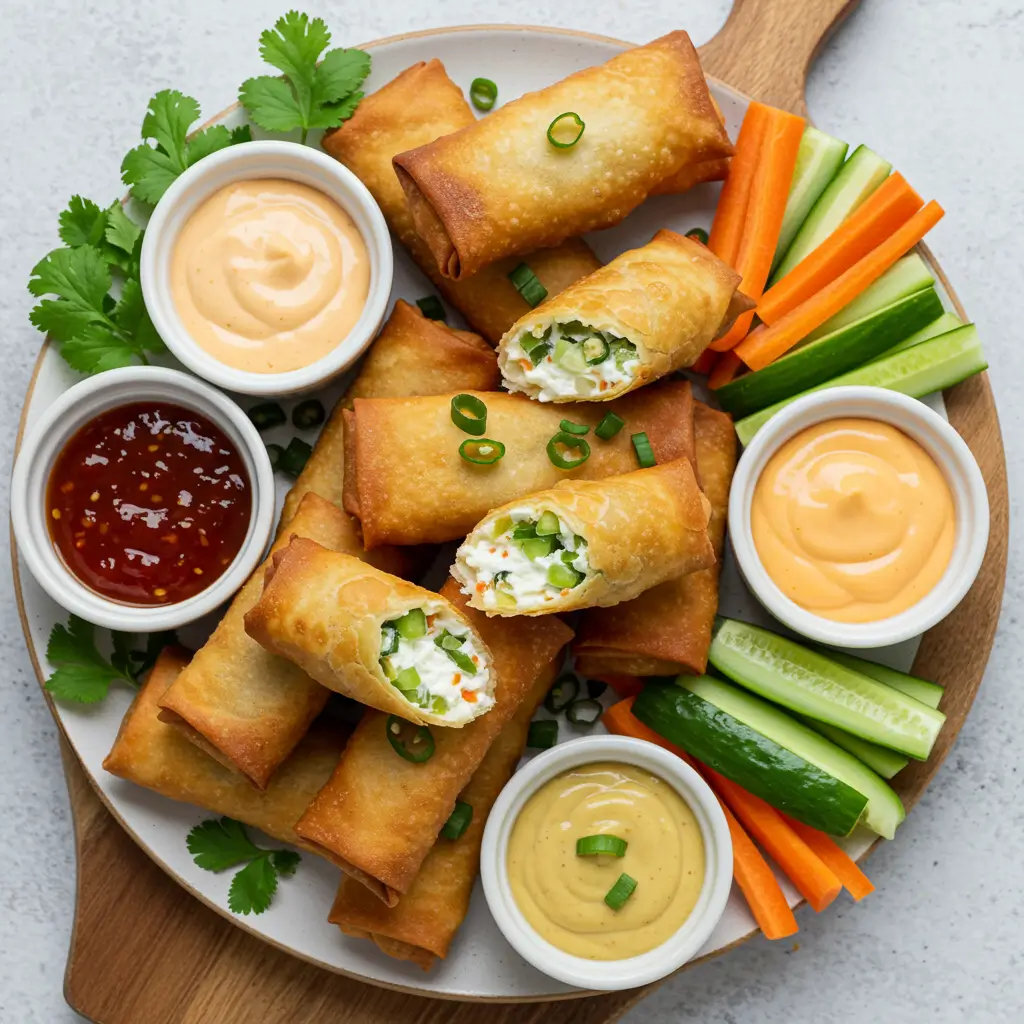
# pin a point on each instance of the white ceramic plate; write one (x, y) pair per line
(481, 964)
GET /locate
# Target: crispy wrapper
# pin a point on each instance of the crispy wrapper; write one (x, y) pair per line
(670, 298)
(498, 187)
(667, 629)
(407, 483)
(380, 813)
(641, 529)
(153, 754)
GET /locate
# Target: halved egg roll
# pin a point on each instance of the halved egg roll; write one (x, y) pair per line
(153, 754)
(500, 187)
(390, 795)
(667, 629)
(650, 311)
(376, 638)
(417, 107)
(407, 482)
(587, 543)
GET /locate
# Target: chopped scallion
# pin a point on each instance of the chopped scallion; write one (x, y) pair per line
(527, 284)
(458, 821)
(571, 131)
(644, 452)
(483, 93)
(469, 413)
(601, 845)
(620, 892)
(571, 443)
(609, 426)
(579, 429)
(481, 451)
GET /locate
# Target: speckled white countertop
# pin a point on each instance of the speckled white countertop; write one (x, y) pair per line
(935, 85)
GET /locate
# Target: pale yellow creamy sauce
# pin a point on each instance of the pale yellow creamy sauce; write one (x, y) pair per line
(562, 894)
(269, 275)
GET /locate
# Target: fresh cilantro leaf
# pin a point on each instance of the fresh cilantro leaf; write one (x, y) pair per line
(220, 843)
(95, 349)
(285, 861)
(294, 44)
(242, 133)
(208, 141)
(82, 223)
(79, 276)
(83, 674)
(121, 657)
(339, 74)
(253, 887)
(121, 233)
(271, 104)
(155, 643)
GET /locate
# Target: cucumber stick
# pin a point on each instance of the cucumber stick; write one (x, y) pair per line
(885, 762)
(941, 325)
(920, 689)
(819, 158)
(808, 683)
(927, 367)
(853, 183)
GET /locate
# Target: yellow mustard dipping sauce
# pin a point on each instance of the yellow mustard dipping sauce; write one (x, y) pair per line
(269, 275)
(562, 894)
(853, 520)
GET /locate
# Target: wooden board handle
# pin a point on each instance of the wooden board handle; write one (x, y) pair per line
(765, 47)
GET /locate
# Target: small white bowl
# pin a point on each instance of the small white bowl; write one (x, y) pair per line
(951, 455)
(608, 975)
(43, 443)
(242, 163)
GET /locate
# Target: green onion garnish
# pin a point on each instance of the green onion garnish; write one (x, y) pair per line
(527, 285)
(644, 452)
(275, 451)
(417, 747)
(574, 428)
(603, 845)
(407, 679)
(412, 625)
(537, 351)
(295, 456)
(577, 127)
(698, 235)
(542, 734)
(595, 687)
(483, 93)
(450, 644)
(308, 414)
(562, 694)
(596, 350)
(620, 892)
(458, 821)
(481, 452)
(431, 308)
(609, 426)
(584, 712)
(571, 443)
(388, 639)
(267, 415)
(469, 413)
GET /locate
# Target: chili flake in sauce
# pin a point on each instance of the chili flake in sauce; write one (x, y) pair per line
(148, 503)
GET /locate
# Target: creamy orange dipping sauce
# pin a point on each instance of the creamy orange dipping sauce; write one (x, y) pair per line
(269, 275)
(853, 520)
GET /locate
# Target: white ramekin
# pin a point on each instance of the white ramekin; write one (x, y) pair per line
(951, 455)
(43, 443)
(241, 163)
(608, 975)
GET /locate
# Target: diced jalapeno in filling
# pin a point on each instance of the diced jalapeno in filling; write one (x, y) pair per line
(436, 664)
(524, 562)
(570, 360)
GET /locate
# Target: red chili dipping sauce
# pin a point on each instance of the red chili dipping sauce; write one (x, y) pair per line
(148, 503)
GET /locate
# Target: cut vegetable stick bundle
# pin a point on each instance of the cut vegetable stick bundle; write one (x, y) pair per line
(835, 858)
(767, 342)
(887, 209)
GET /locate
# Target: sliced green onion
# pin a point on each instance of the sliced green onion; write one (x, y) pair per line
(698, 235)
(275, 451)
(407, 679)
(458, 821)
(572, 443)
(483, 93)
(481, 452)
(449, 641)
(412, 625)
(595, 350)
(417, 747)
(500, 577)
(431, 308)
(601, 846)
(537, 352)
(469, 413)
(644, 452)
(542, 735)
(562, 694)
(388, 639)
(267, 415)
(295, 456)
(576, 120)
(548, 524)
(579, 429)
(450, 644)
(595, 687)
(308, 414)
(609, 426)
(527, 284)
(620, 892)
(524, 530)
(564, 576)
(584, 712)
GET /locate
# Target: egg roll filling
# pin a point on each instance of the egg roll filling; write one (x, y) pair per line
(527, 561)
(436, 664)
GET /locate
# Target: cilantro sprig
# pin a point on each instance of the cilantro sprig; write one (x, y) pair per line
(311, 94)
(219, 844)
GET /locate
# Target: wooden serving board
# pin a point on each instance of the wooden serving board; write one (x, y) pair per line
(143, 952)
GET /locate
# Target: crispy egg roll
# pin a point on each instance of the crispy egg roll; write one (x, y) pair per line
(667, 629)
(499, 187)
(153, 754)
(650, 311)
(408, 484)
(376, 638)
(381, 813)
(417, 107)
(587, 543)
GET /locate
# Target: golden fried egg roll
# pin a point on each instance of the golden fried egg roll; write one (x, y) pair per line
(499, 187)
(650, 311)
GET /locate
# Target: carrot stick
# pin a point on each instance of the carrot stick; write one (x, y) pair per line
(816, 882)
(755, 878)
(887, 209)
(731, 212)
(769, 191)
(766, 343)
(705, 362)
(854, 880)
(725, 370)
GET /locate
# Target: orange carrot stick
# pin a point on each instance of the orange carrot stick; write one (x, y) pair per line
(705, 362)
(767, 206)
(753, 875)
(846, 870)
(816, 882)
(766, 343)
(886, 210)
(728, 365)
